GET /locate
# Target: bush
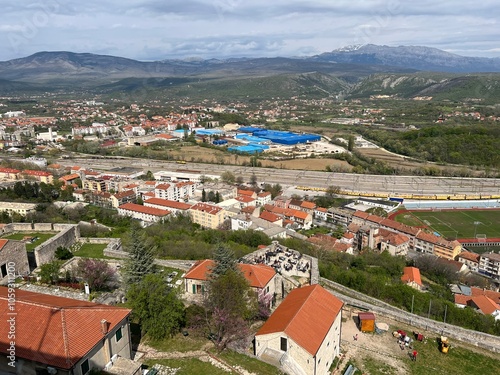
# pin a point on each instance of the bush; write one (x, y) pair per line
(63, 253)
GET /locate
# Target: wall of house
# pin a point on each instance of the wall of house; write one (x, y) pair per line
(14, 254)
(188, 283)
(24, 367)
(101, 354)
(295, 355)
(69, 234)
(330, 347)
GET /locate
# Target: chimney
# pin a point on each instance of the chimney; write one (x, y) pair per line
(104, 326)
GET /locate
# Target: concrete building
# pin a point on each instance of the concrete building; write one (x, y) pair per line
(489, 265)
(303, 333)
(18, 208)
(9, 174)
(164, 204)
(41, 176)
(207, 215)
(470, 259)
(56, 335)
(140, 212)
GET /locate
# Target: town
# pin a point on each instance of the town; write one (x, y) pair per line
(94, 199)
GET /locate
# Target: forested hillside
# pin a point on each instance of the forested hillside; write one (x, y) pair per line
(467, 145)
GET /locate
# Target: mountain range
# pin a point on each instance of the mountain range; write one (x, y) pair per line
(361, 70)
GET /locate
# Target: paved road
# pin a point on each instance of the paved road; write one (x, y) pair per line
(347, 181)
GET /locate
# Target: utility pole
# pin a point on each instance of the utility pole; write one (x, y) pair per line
(445, 309)
(429, 313)
(412, 300)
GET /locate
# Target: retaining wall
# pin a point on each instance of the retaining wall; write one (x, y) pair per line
(69, 234)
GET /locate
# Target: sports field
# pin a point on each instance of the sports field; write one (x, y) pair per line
(457, 223)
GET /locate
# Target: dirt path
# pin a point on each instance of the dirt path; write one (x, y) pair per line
(382, 348)
(202, 355)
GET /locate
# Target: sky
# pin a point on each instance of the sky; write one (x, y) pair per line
(170, 29)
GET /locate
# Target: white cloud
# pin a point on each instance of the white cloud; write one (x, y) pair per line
(158, 29)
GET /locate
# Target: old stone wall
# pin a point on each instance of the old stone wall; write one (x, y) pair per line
(13, 255)
(68, 235)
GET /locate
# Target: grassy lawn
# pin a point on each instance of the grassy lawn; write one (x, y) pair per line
(457, 361)
(42, 237)
(91, 250)
(456, 224)
(180, 343)
(248, 363)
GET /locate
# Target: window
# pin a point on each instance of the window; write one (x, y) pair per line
(284, 344)
(119, 334)
(85, 366)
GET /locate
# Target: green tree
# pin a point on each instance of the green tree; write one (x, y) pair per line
(49, 272)
(228, 177)
(161, 313)
(224, 260)
(228, 303)
(253, 179)
(63, 253)
(350, 143)
(97, 273)
(141, 257)
(203, 195)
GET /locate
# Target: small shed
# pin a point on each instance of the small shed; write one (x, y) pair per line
(366, 321)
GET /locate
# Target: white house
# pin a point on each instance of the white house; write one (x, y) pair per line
(304, 331)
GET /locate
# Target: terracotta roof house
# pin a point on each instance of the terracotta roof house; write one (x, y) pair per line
(259, 276)
(485, 305)
(303, 332)
(56, 335)
(470, 259)
(411, 277)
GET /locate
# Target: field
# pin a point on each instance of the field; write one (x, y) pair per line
(456, 224)
(208, 155)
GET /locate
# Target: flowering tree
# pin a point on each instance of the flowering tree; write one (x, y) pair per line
(97, 273)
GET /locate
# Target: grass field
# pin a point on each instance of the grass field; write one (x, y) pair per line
(30, 246)
(91, 250)
(456, 224)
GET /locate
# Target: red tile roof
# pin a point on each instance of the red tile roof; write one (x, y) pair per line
(305, 315)
(247, 193)
(485, 304)
(469, 256)
(244, 199)
(36, 173)
(168, 203)
(257, 275)
(411, 274)
(308, 205)
(53, 330)
(70, 177)
(124, 194)
(269, 216)
(3, 242)
(495, 296)
(208, 208)
(9, 170)
(143, 209)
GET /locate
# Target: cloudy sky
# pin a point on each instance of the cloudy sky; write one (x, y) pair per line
(163, 29)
